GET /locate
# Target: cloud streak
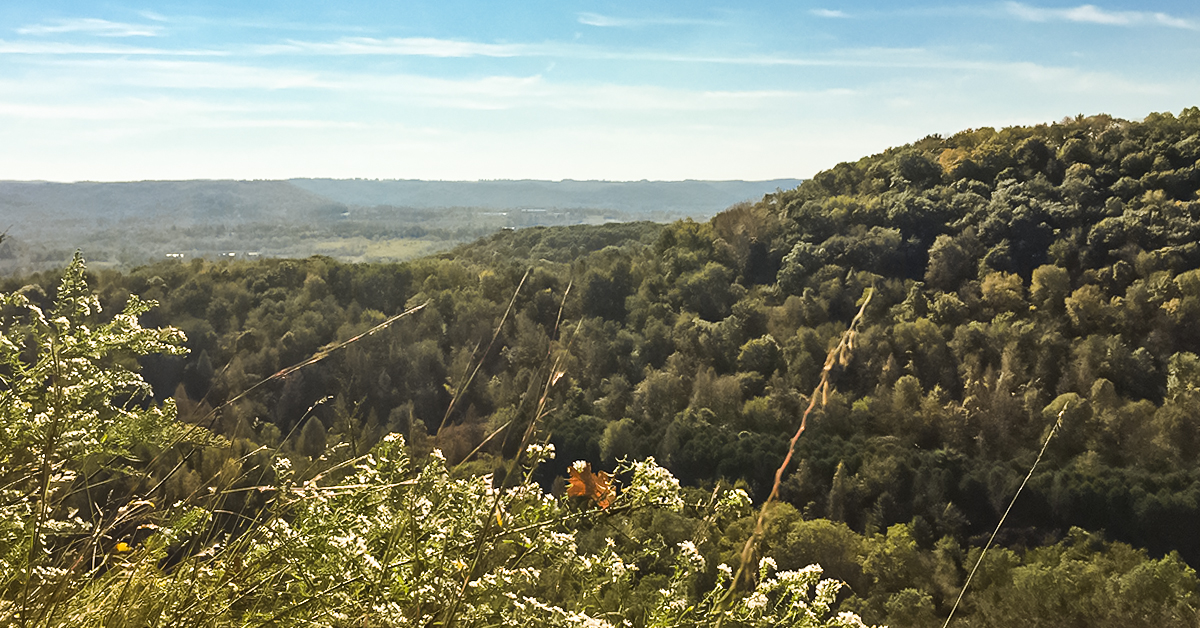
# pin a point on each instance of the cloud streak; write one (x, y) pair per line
(1091, 14)
(536, 92)
(92, 26)
(866, 58)
(608, 21)
(403, 46)
(831, 13)
(243, 82)
(53, 48)
(445, 48)
(463, 49)
(186, 75)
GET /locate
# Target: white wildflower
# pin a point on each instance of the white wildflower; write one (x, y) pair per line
(849, 620)
(732, 501)
(725, 572)
(580, 620)
(653, 485)
(766, 565)
(827, 591)
(617, 569)
(538, 453)
(755, 601)
(691, 555)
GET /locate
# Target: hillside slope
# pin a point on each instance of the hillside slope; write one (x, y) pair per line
(41, 209)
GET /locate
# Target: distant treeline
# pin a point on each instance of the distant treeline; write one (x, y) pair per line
(123, 225)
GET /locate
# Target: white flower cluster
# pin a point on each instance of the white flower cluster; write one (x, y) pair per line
(537, 453)
(797, 598)
(793, 598)
(691, 556)
(653, 485)
(732, 502)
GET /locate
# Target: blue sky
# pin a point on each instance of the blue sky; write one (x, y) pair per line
(456, 90)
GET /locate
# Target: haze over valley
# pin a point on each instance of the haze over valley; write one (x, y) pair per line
(120, 225)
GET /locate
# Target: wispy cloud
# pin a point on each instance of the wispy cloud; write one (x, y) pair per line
(829, 13)
(402, 46)
(863, 58)
(189, 75)
(494, 92)
(596, 19)
(92, 26)
(1097, 84)
(119, 109)
(200, 22)
(1092, 14)
(433, 47)
(52, 48)
(449, 48)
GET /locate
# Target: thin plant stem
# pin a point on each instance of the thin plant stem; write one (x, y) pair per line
(838, 356)
(463, 387)
(539, 413)
(979, 561)
(44, 489)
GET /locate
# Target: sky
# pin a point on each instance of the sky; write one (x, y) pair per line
(454, 90)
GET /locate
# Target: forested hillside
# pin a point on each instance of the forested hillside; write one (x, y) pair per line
(1017, 276)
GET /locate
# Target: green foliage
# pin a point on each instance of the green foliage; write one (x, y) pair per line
(1016, 271)
(1075, 582)
(72, 422)
(375, 540)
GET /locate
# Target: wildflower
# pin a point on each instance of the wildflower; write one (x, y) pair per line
(732, 501)
(756, 601)
(654, 485)
(766, 565)
(691, 555)
(537, 452)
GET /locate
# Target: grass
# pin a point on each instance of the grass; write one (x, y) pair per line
(361, 249)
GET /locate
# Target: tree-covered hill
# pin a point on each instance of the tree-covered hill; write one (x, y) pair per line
(1018, 277)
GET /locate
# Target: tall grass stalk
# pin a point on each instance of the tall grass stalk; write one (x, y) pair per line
(999, 524)
(539, 412)
(838, 356)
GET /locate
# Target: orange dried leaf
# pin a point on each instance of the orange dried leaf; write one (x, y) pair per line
(586, 483)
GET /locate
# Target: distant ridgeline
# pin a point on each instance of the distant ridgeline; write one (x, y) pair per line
(1018, 275)
(125, 224)
(698, 199)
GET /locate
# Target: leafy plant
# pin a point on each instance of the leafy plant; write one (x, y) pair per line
(73, 420)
